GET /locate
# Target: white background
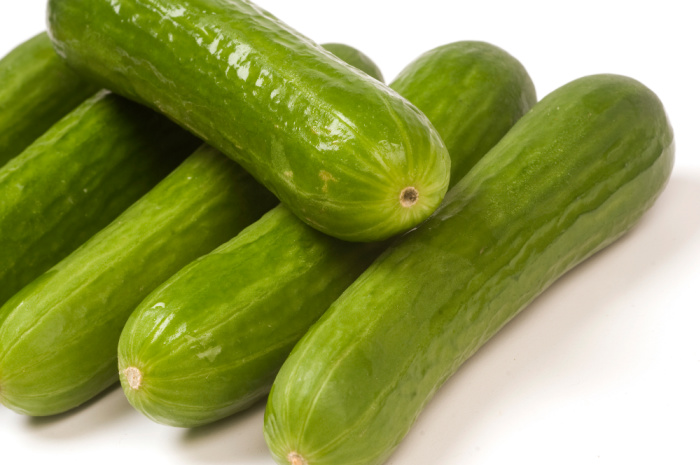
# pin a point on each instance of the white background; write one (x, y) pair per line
(603, 368)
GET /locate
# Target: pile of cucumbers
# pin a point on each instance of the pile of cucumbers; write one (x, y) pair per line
(204, 204)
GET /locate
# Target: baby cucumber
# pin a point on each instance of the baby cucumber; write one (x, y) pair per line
(343, 151)
(568, 179)
(76, 178)
(209, 341)
(36, 90)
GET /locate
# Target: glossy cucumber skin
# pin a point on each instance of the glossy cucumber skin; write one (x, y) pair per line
(78, 177)
(280, 274)
(36, 90)
(572, 175)
(339, 148)
(356, 58)
(58, 340)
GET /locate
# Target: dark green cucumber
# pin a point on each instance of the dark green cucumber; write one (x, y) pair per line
(36, 90)
(570, 177)
(247, 303)
(356, 58)
(345, 153)
(76, 178)
(58, 340)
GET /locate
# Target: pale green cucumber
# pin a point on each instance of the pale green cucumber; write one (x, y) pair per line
(345, 153)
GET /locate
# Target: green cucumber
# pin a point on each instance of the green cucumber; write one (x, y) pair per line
(572, 175)
(76, 178)
(344, 152)
(246, 304)
(58, 340)
(356, 58)
(36, 90)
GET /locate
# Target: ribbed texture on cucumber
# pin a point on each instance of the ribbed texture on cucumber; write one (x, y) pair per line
(247, 303)
(36, 90)
(76, 178)
(572, 175)
(58, 340)
(336, 146)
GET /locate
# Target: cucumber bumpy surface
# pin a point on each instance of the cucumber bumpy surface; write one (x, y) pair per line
(76, 178)
(36, 90)
(572, 175)
(343, 151)
(246, 304)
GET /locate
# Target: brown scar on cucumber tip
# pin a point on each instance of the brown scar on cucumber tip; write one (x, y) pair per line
(409, 196)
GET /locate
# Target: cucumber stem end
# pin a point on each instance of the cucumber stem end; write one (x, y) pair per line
(133, 377)
(296, 459)
(408, 196)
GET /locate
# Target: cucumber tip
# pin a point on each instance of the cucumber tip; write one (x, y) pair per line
(133, 377)
(296, 459)
(408, 196)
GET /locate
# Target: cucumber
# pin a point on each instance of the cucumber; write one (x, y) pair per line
(247, 303)
(76, 178)
(356, 58)
(36, 90)
(571, 176)
(345, 153)
(58, 340)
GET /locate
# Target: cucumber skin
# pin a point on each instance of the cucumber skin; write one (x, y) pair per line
(58, 340)
(36, 90)
(336, 146)
(76, 178)
(572, 175)
(281, 274)
(356, 58)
